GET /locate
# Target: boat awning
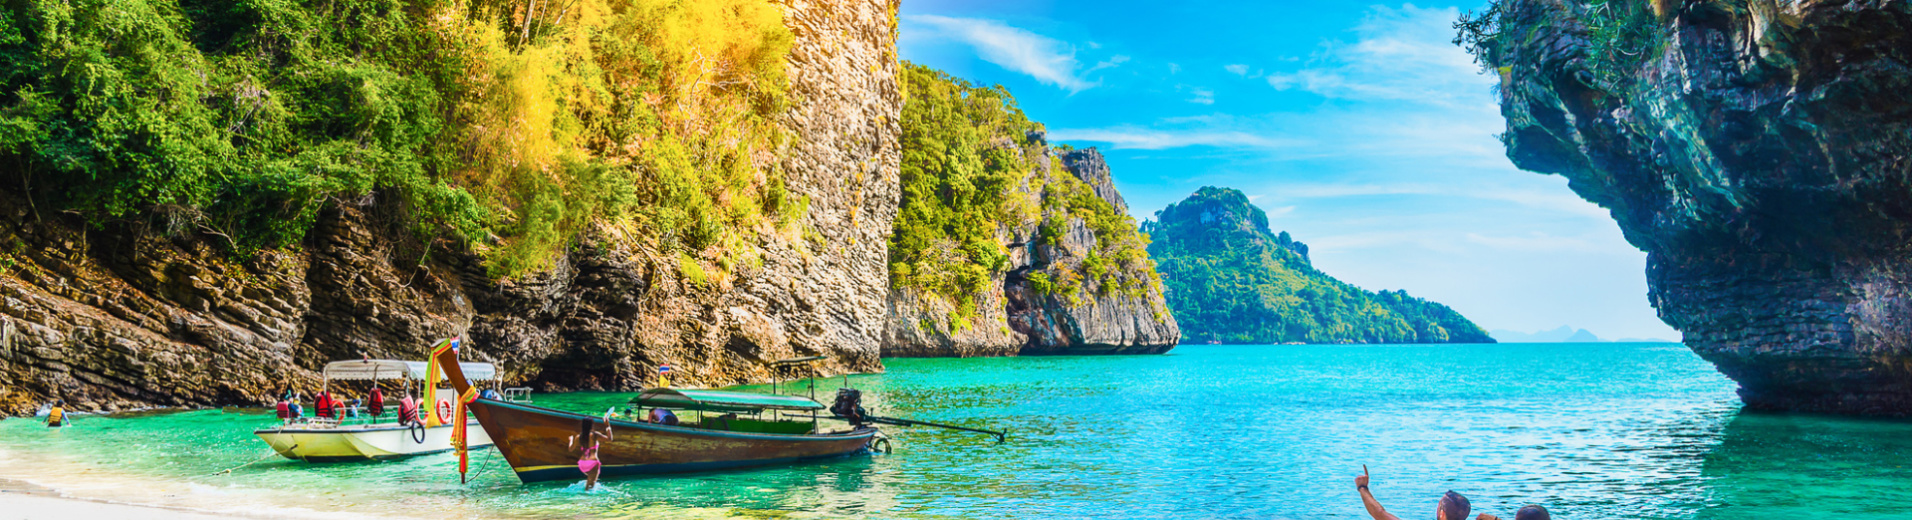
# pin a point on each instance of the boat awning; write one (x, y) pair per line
(721, 401)
(368, 369)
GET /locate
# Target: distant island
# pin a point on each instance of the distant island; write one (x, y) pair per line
(1564, 334)
(1229, 279)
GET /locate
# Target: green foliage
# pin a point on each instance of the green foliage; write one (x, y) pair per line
(969, 170)
(964, 150)
(1620, 34)
(1120, 261)
(691, 270)
(1229, 279)
(510, 124)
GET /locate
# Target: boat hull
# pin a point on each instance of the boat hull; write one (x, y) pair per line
(536, 441)
(360, 443)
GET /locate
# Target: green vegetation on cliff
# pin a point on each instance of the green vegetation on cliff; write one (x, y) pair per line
(974, 167)
(508, 124)
(1619, 37)
(1230, 280)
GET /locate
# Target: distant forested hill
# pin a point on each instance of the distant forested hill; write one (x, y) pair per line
(1230, 280)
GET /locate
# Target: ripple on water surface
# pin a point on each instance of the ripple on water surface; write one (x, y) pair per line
(1593, 431)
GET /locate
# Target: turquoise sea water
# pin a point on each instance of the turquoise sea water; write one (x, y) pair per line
(1594, 431)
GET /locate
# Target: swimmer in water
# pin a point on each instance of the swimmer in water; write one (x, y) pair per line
(588, 439)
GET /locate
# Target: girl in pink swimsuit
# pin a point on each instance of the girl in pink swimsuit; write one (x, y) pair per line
(588, 461)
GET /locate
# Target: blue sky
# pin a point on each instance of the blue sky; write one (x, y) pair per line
(1358, 127)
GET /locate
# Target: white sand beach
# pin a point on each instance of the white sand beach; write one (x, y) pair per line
(39, 505)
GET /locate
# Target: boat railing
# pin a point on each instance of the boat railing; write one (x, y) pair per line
(314, 422)
(520, 394)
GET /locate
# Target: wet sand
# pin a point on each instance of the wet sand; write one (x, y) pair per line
(27, 501)
(96, 494)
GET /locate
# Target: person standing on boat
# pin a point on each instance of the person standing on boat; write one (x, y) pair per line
(1451, 506)
(588, 462)
(56, 416)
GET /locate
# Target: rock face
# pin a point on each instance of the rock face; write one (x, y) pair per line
(1017, 316)
(133, 316)
(1758, 152)
(1098, 321)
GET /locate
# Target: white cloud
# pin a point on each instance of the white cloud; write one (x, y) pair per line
(1146, 139)
(1201, 96)
(1275, 212)
(1560, 201)
(1174, 68)
(1107, 64)
(1237, 69)
(1048, 60)
(1404, 54)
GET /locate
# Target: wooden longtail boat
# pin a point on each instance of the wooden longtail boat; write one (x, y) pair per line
(536, 440)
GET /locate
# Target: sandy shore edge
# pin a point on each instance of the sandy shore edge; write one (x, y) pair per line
(20, 499)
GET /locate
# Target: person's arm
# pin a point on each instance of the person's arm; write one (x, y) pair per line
(1485, 516)
(1367, 499)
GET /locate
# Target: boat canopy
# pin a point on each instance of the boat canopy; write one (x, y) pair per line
(367, 369)
(721, 401)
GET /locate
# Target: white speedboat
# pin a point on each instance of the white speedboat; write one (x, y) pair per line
(383, 437)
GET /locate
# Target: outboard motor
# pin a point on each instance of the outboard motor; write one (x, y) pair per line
(849, 405)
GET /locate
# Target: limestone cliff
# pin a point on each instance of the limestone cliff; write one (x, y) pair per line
(1102, 318)
(1023, 311)
(1757, 150)
(135, 314)
(1005, 245)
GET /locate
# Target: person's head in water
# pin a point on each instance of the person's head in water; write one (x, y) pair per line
(1533, 512)
(1452, 506)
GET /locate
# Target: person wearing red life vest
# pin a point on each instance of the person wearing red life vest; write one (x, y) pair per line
(284, 408)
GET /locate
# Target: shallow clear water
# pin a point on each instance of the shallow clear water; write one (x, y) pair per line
(1593, 431)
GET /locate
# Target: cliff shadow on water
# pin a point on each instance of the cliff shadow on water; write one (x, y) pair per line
(1801, 465)
(1757, 151)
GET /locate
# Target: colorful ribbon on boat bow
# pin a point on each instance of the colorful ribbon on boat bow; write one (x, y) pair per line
(433, 373)
(458, 431)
